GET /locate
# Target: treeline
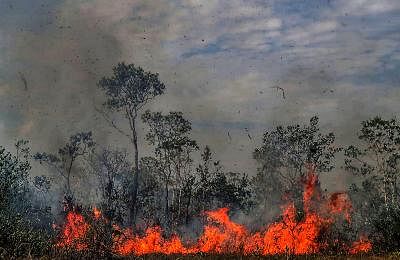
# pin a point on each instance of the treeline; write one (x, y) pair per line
(172, 189)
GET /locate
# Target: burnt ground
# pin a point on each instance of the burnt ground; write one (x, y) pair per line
(223, 257)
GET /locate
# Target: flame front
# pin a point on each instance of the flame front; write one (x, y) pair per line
(223, 236)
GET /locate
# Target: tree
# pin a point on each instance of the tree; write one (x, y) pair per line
(284, 156)
(151, 192)
(13, 178)
(128, 90)
(63, 162)
(169, 134)
(207, 174)
(376, 162)
(206, 171)
(20, 233)
(231, 189)
(112, 169)
(215, 188)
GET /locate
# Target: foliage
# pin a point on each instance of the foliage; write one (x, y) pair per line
(295, 147)
(13, 179)
(215, 189)
(151, 193)
(113, 170)
(231, 189)
(284, 158)
(79, 145)
(169, 134)
(187, 192)
(174, 188)
(206, 172)
(376, 163)
(128, 90)
(20, 234)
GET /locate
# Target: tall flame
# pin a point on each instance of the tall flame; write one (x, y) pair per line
(74, 231)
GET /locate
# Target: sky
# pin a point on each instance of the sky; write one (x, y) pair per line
(220, 61)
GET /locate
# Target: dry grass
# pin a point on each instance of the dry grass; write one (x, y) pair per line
(223, 257)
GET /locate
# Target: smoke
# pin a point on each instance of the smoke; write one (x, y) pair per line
(220, 62)
(55, 62)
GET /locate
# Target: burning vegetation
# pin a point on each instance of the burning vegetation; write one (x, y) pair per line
(170, 203)
(221, 235)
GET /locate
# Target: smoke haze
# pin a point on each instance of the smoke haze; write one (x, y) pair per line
(220, 61)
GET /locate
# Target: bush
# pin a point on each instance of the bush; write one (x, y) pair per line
(19, 232)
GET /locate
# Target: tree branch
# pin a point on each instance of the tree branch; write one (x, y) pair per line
(112, 123)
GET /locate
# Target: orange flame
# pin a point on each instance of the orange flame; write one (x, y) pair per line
(363, 245)
(151, 242)
(96, 213)
(339, 203)
(74, 231)
(221, 235)
(225, 237)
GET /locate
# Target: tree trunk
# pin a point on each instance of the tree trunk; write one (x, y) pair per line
(166, 210)
(179, 204)
(188, 206)
(135, 186)
(69, 191)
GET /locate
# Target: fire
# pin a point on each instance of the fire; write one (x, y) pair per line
(339, 203)
(151, 243)
(96, 213)
(224, 236)
(74, 231)
(291, 235)
(361, 246)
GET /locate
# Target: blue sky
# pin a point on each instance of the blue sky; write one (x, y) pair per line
(338, 59)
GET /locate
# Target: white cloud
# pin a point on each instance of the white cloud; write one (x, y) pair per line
(307, 34)
(199, 23)
(259, 25)
(368, 7)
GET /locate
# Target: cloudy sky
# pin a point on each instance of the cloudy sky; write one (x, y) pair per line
(338, 59)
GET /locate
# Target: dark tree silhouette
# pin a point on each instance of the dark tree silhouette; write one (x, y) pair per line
(79, 145)
(284, 156)
(21, 232)
(376, 163)
(173, 147)
(128, 90)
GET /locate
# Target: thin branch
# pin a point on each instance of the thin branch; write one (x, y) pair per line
(111, 122)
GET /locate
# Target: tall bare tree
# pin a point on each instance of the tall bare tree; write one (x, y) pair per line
(128, 90)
